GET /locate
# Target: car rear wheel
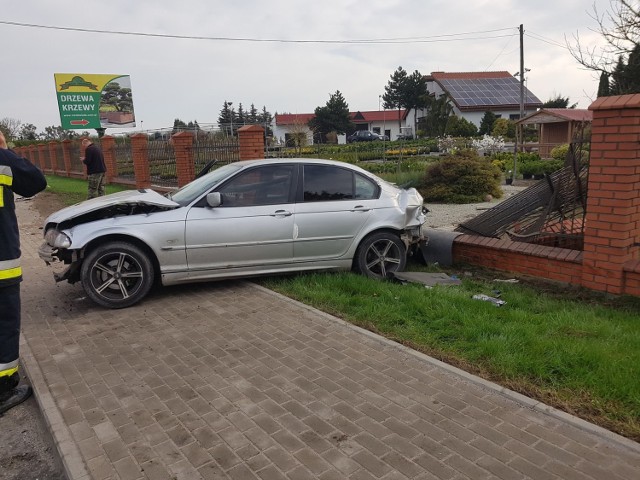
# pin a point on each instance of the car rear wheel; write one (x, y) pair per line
(117, 275)
(381, 254)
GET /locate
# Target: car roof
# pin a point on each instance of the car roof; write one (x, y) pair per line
(316, 161)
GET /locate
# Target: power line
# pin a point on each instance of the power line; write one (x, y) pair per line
(400, 40)
(540, 38)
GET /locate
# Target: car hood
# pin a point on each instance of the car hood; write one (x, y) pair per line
(142, 197)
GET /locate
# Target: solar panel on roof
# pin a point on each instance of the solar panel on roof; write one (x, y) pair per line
(467, 92)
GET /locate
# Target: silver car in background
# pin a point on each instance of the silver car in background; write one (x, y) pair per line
(257, 217)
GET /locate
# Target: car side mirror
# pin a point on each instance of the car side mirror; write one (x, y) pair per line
(214, 199)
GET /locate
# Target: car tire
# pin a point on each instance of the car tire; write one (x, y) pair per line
(381, 254)
(117, 274)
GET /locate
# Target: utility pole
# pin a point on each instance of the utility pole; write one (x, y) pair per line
(521, 72)
(519, 129)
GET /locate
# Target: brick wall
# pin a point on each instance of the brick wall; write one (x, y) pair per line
(610, 261)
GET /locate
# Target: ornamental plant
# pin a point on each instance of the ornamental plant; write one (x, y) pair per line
(489, 144)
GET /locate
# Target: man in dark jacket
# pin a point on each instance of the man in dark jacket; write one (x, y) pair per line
(20, 176)
(94, 160)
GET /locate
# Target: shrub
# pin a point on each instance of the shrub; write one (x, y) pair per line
(461, 178)
(504, 128)
(460, 127)
(560, 152)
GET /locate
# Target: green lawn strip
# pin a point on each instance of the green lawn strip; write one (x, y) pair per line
(581, 357)
(74, 190)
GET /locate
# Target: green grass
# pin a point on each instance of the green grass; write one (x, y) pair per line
(571, 349)
(74, 190)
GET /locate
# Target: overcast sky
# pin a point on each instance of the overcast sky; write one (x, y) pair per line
(191, 78)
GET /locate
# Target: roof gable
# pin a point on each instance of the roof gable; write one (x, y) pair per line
(484, 90)
(557, 115)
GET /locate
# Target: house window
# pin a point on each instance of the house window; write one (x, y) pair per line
(376, 130)
(514, 116)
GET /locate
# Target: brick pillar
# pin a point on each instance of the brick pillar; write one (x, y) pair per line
(185, 164)
(139, 149)
(66, 155)
(108, 145)
(251, 138)
(53, 153)
(612, 233)
(31, 153)
(42, 154)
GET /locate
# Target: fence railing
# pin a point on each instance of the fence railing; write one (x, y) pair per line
(148, 162)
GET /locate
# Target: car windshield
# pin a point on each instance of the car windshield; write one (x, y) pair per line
(199, 186)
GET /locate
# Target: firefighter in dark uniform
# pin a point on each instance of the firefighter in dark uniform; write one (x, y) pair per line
(22, 177)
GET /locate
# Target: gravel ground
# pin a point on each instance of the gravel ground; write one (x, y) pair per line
(449, 216)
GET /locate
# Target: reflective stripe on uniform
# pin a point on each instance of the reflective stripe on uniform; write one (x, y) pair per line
(6, 175)
(8, 369)
(6, 178)
(10, 269)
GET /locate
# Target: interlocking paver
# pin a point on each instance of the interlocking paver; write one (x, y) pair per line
(229, 380)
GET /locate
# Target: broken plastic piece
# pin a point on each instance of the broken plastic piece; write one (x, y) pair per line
(486, 298)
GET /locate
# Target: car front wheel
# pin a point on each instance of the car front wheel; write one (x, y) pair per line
(117, 275)
(381, 254)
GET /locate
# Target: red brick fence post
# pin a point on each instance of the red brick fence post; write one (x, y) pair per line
(612, 234)
(185, 163)
(139, 149)
(251, 139)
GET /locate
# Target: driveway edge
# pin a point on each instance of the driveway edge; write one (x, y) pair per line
(67, 448)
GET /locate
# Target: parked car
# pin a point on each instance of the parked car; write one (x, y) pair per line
(363, 136)
(246, 218)
(383, 137)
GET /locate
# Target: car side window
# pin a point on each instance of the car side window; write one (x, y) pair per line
(366, 189)
(266, 185)
(326, 183)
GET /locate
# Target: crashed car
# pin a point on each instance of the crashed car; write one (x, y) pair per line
(257, 217)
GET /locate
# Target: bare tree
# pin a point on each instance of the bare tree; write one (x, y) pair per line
(10, 127)
(619, 26)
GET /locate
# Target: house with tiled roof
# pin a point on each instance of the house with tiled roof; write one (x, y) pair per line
(378, 121)
(473, 93)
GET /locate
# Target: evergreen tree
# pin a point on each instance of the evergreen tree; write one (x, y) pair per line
(394, 92)
(558, 102)
(253, 115)
(414, 95)
(178, 126)
(226, 114)
(333, 117)
(241, 120)
(486, 124)
(460, 127)
(434, 122)
(265, 119)
(603, 85)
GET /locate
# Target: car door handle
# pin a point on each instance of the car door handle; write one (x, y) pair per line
(281, 213)
(360, 208)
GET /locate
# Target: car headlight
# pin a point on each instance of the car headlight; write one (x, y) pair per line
(57, 239)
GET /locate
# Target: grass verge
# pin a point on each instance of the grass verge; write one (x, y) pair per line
(74, 190)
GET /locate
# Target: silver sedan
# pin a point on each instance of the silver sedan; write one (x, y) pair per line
(258, 217)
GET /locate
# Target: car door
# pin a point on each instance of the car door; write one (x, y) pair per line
(251, 230)
(334, 205)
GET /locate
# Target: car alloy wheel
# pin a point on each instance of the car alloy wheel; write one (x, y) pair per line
(381, 254)
(117, 275)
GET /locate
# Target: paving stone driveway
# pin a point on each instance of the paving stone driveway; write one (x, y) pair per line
(228, 380)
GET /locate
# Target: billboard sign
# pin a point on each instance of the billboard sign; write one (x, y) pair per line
(88, 100)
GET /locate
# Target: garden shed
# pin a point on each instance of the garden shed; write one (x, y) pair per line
(556, 126)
